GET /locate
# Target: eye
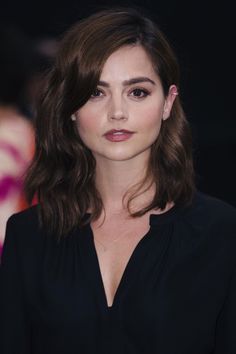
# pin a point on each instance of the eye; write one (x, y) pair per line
(96, 93)
(140, 93)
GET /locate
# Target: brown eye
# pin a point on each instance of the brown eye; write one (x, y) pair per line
(140, 93)
(96, 93)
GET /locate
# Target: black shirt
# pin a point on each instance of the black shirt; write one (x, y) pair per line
(176, 296)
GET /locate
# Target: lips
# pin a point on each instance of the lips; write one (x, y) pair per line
(117, 135)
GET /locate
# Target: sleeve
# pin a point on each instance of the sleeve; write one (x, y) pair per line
(225, 339)
(14, 322)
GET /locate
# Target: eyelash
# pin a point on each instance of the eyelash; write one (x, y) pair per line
(144, 92)
(96, 90)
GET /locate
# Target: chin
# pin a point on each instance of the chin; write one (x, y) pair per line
(122, 155)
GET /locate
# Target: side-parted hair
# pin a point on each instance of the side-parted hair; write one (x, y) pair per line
(62, 173)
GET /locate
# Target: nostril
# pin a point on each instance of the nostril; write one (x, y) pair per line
(120, 117)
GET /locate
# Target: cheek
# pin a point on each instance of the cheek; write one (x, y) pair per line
(151, 119)
(87, 123)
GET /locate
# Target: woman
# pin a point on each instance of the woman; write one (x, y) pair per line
(121, 255)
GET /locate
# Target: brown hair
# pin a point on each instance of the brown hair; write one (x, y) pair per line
(63, 169)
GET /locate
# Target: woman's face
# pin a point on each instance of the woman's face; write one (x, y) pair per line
(122, 118)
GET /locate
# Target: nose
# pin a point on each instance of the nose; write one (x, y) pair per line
(117, 108)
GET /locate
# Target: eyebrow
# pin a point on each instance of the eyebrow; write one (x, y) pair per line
(129, 82)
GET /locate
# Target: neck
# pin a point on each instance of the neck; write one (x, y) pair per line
(115, 178)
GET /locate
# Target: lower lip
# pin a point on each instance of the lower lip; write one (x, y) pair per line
(118, 137)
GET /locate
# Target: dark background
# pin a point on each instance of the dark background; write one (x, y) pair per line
(203, 36)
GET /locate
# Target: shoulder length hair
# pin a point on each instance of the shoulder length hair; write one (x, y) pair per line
(62, 173)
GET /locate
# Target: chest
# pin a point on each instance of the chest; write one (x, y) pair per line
(170, 298)
(114, 247)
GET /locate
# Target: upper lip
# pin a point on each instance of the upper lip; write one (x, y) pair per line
(112, 131)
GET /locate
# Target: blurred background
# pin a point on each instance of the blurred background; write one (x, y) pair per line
(203, 36)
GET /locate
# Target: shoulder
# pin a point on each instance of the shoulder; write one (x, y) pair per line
(23, 234)
(209, 218)
(26, 219)
(212, 210)
(23, 227)
(207, 228)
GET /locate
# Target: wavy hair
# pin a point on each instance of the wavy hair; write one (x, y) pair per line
(62, 173)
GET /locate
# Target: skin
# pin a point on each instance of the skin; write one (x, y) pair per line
(117, 104)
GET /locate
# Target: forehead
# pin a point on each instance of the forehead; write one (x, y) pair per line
(126, 62)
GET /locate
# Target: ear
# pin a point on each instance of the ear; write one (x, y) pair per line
(169, 100)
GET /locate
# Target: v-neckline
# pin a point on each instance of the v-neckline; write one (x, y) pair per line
(125, 275)
(132, 268)
(93, 271)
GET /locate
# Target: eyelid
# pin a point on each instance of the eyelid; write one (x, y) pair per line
(96, 89)
(144, 90)
(140, 88)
